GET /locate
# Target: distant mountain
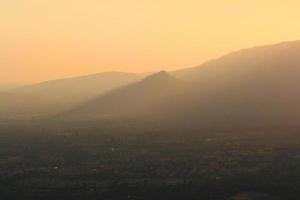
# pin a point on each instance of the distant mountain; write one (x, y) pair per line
(54, 96)
(83, 86)
(242, 64)
(14, 106)
(139, 98)
(251, 87)
(4, 86)
(4, 95)
(255, 86)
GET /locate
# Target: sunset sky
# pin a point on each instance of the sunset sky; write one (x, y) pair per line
(50, 39)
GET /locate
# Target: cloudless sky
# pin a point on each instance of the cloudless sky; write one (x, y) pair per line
(49, 39)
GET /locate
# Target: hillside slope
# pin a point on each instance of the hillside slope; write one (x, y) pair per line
(51, 97)
(139, 98)
(251, 87)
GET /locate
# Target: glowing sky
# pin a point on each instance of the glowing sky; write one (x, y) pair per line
(49, 39)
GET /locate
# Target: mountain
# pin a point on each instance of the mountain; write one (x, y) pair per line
(139, 98)
(51, 97)
(4, 86)
(81, 87)
(244, 63)
(251, 87)
(15, 105)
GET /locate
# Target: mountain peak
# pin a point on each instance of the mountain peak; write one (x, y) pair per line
(160, 76)
(162, 72)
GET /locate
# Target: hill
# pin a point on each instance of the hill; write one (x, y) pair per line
(51, 97)
(244, 63)
(251, 87)
(139, 98)
(80, 87)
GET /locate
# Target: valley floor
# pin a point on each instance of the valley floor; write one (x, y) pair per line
(146, 165)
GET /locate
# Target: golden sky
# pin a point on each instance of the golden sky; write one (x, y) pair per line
(49, 39)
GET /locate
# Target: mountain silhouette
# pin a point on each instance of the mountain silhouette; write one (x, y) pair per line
(135, 99)
(244, 63)
(51, 97)
(80, 87)
(257, 86)
(251, 87)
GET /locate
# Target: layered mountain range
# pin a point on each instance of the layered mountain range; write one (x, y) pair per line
(255, 86)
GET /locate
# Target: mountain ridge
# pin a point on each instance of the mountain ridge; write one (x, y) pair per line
(134, 98)
(252, 87)
(52, 97)
(192, 73)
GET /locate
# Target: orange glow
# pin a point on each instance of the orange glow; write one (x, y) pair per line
(49, 39)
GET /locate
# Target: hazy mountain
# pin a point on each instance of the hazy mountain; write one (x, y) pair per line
(27, 106)
(51, 97)
(241, 64)
(81, 87)
(15, 105)
(254, 87)
(135, 99)
(4, 86)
